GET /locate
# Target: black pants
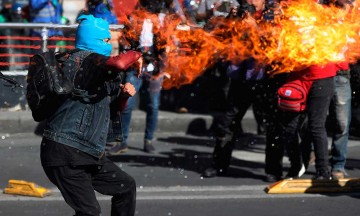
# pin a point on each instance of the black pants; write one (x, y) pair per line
(242, 94)
(288, 128)
(274, 150)
(77, 185)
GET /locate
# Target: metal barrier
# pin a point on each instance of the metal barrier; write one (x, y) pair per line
(15, 51)
(44, 41)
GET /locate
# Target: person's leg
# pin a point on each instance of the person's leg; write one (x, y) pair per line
(126, 114)
(238, 102)
(274, 151)
(224, 142)
(225, 130)
(341, 111)
(124, 118)
(111, 180)
(318, 102)
(306, 144)
(75, 185)
(152, 96)
(289, 137)
(258, 105)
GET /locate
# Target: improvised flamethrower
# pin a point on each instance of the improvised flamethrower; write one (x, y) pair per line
(13, 83)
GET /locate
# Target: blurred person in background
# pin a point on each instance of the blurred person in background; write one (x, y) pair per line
(15, 58)
(14, 13)
(248, 87)
(102, 9)
(45, 11)
(355, 111)
(149, 85)
(339, 115)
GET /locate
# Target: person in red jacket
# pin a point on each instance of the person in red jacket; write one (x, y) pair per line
(339, 112)
(340, 117)
(320, 82)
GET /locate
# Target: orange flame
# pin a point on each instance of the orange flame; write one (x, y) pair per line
(313, 34)
(305, 34)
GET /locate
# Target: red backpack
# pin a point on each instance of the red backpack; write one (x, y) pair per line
(292, 95)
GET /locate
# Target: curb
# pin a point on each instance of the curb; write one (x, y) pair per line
(21, 122)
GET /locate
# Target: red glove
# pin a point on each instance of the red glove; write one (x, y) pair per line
(124, 60)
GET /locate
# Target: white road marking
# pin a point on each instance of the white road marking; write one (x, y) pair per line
(179, 193)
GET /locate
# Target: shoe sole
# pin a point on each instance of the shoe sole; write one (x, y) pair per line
(118, 152)
(337, 176)
(111, 145)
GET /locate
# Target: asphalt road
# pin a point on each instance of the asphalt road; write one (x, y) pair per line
(169, 182)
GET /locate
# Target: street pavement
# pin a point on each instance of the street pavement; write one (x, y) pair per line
(169, 181)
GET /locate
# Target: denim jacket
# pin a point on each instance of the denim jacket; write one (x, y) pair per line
(83, 124)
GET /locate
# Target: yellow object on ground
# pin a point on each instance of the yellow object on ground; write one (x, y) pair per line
(314, 186)
(19, 187)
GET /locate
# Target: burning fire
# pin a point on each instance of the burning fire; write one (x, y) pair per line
(314, 34)
(304, 34)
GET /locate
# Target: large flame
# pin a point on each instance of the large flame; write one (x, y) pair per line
(304, 34)
(314, 34)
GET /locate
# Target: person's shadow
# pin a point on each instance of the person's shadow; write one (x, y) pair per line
(193, 160)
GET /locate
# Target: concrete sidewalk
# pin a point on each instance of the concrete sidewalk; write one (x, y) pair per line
(22, 122)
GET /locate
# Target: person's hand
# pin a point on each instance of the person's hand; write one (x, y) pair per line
(128, 89)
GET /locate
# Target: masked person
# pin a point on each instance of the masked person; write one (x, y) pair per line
(72, 149)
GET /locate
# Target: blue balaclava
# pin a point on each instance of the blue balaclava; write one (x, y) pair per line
(91, 33)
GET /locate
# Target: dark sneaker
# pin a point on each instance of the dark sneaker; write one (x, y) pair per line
(117, 149)
(272, 178)
(322, 175)
(337, 174)
(295, 173)
(110, 145)
(148, 146)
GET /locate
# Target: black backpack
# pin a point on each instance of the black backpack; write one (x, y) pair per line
(47, 85)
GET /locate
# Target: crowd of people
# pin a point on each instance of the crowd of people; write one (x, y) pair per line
(77, 161)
